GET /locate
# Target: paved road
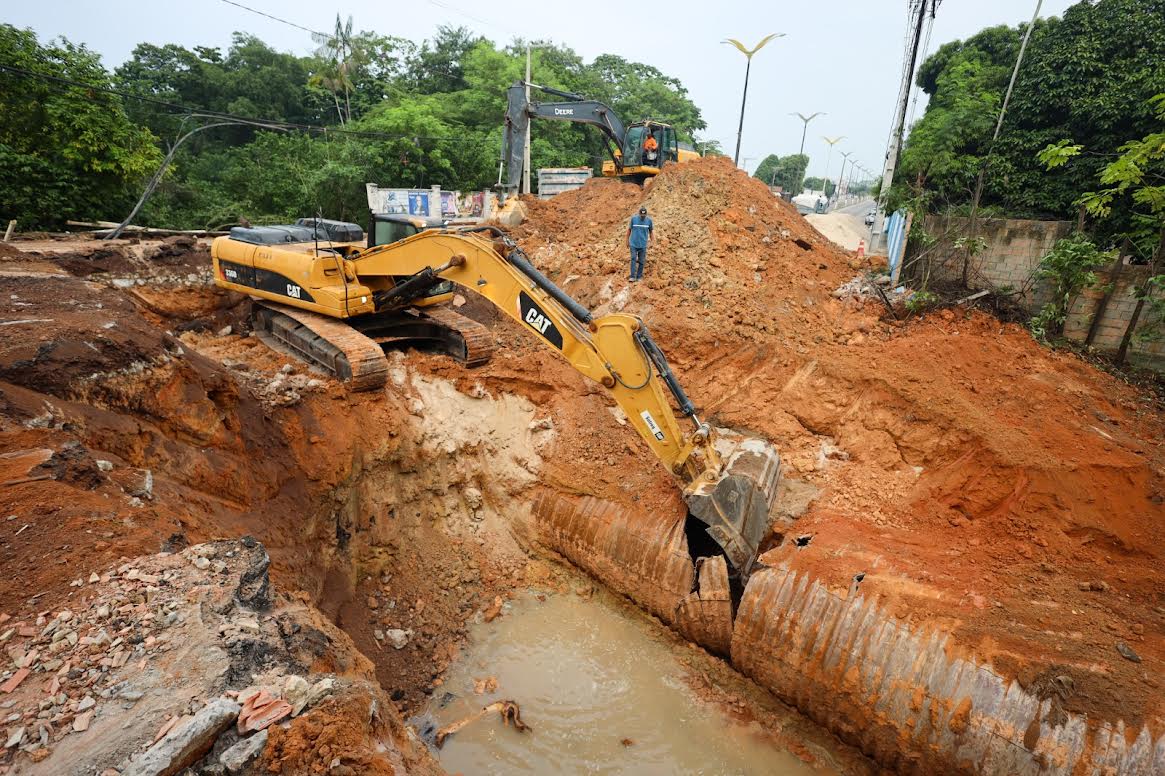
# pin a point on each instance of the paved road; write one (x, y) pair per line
(859, 208)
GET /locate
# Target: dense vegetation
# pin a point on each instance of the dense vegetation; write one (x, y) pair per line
(397, 113)
(1089, 76)
(788, 172)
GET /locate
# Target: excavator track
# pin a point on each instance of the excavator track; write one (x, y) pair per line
(330, 344)
(464, 339)
(478, 341)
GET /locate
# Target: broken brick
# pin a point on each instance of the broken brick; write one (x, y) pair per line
(265, 716)
(15, 681)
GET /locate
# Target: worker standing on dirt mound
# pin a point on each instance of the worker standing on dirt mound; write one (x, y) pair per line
(639, 235)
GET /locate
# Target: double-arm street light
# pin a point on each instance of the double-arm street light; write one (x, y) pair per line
(744, 98)
(805, 128)
(828, 157)
(841, 175)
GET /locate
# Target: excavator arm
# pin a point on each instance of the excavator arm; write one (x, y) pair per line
(580, 110)
(615, 350)
(729, 488)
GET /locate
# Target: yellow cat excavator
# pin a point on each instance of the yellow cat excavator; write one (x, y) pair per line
(322, 299)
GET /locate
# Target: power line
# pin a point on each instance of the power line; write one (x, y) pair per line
(277, 19)
(204, 113)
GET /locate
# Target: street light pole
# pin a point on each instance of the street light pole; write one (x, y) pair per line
(829, 157)
(805, 126)
(841, 175)
(747, 68)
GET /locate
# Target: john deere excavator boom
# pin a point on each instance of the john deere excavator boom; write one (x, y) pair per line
(625, 142)
(579, 109)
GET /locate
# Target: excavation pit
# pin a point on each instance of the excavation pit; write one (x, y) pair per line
(605, 689)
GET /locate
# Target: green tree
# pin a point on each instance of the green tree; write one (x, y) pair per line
(787, 172)
(437, 65)
(815, 184)
(65, 151)
(1087, 76)
(1134, 182)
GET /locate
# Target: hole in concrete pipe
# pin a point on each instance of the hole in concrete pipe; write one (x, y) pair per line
(702, 545)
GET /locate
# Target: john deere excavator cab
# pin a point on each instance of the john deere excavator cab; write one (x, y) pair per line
(637, 158)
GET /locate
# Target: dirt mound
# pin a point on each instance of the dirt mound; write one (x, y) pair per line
(983, 484)
(728, 257)
(570, 217)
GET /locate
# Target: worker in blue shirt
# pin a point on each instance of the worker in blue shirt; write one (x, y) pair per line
(639, 235)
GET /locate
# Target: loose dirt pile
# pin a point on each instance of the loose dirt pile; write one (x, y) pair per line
(984, 486)
(1010, 494)
(133, 431)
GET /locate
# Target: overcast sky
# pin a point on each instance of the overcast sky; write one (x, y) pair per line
(843, 57)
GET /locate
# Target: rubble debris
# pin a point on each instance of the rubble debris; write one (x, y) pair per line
(254, 590)
(260, 710)
(398, 638)
(510, 712)
(185, 743)
(1127, 652)
(493, 610)
(240, 755)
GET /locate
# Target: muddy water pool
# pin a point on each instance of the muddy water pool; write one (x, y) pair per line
(605, 692)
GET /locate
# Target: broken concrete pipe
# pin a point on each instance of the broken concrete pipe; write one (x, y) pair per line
(877, 683)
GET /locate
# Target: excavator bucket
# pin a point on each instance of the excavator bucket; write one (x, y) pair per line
(735, 508)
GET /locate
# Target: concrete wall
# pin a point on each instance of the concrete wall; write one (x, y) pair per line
(1014, 250)
(1117, 314)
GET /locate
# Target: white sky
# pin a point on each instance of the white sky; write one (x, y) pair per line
(842, 57)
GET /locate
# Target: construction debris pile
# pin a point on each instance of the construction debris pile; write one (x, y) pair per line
(163, 662)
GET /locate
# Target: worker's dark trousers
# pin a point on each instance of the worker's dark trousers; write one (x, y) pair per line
(638, 259)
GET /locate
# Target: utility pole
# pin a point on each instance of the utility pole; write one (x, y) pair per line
(974, 221)
(805, 126)
(526, 147)
(828, 158)
(900, 115)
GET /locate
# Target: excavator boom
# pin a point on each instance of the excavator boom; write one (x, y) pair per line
(730, 484)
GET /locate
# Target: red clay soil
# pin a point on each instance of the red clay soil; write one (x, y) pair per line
(980, 480)
(1007, 493)
(98, 377)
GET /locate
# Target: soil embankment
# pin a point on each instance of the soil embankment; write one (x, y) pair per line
(1003, 494)
(972, 484)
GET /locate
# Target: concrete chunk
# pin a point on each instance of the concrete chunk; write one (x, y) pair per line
(241, 754)
(185, 743)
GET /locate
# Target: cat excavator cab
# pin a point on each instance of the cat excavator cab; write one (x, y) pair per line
(319, 299)
(625, 142)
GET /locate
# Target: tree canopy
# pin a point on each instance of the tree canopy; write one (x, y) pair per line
(65, 152)
(398, 113)
(1089, 76)
(788, 172)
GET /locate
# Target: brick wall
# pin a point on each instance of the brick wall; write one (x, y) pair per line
(1014, 249)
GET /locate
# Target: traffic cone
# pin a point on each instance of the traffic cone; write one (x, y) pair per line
(861, 249)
